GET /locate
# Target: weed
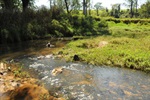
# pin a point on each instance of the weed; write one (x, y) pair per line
(20, 73)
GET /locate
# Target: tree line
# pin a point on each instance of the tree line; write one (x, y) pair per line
(21, 20)
(85, 5)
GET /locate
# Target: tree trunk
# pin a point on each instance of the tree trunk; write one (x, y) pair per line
(136, 8)
(89, 10)
(90, 7)
(67, 7)
(131, 9)
(84, 7)
(25, 4)
(97, 12)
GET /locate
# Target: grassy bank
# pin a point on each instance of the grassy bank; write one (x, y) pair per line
(127, 46)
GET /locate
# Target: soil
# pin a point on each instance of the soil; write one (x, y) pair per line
(14, 85)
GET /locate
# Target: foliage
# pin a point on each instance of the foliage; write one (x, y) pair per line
(145, 10)
(127, 20)
(88, 26)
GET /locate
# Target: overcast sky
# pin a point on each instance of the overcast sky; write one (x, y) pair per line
(105, 3)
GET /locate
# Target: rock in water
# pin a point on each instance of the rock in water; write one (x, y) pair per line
(57, 71)
(76, 58)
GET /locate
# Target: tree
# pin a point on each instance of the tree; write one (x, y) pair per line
(115, 10)
(130, 4)
(72, 5)
(13, 4)
(133, 6)
(84, 7)
(67, 6)
(98, 7)
(25, 4)
(86, 4)
(136, 6)
(8, 4)
(145, 10)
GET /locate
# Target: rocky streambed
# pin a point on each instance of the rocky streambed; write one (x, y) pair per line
(16, 84)
(80, 81)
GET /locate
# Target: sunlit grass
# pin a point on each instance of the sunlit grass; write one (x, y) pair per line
(129, 30)
(128, 48)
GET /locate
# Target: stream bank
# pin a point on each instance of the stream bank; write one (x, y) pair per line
(16, 79)
(17, 84)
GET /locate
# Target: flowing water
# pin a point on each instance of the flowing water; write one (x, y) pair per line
(79, 81)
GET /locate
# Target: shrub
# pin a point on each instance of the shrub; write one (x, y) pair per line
(102, 23)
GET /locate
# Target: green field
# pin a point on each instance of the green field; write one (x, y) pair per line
(128, 46)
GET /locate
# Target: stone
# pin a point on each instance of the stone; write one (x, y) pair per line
(57, 71)
(14, 84)
(9, 69)
(76, 58)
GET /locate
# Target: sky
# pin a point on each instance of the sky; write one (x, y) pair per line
(105, 3)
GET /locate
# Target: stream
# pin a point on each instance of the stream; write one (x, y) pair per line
(80, 81)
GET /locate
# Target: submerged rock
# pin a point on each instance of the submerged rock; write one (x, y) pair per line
(57, 71)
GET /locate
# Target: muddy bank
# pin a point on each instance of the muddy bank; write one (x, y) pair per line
(16, 84)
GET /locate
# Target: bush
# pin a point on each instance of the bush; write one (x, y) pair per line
(102, 24)
(88, 26)
(128, 21)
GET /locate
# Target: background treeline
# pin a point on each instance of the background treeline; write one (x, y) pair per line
(20, 20)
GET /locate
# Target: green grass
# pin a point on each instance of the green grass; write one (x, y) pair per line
(128, 46)
(20, 73)
(129, 30)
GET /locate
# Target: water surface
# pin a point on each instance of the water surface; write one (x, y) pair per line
(87, 82)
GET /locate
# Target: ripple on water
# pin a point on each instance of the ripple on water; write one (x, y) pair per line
(121, 83)
(85, 82)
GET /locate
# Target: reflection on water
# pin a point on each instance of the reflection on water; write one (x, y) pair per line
(86, 82)
(35, 47)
